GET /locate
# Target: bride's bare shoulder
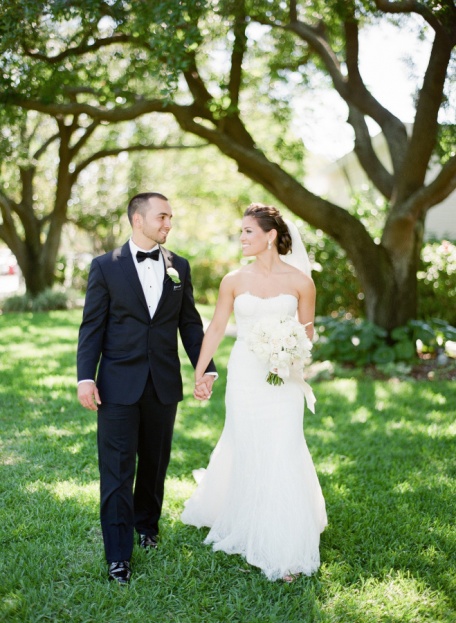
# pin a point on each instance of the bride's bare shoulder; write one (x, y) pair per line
(239, 273)
(304, 283)
(232, 278)
(235, 281)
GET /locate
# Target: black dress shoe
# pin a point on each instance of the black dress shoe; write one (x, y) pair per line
(148, 542)
(120, 572)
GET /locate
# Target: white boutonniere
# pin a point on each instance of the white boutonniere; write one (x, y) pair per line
(173, 274)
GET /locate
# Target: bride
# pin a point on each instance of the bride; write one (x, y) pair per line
(260, 494)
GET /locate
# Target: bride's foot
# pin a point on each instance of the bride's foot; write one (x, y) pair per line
(290, 578)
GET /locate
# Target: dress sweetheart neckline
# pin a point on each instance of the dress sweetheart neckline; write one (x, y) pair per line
(265, 298)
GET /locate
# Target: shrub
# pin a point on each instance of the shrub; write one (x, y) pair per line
(437, 282)
(338, 289)
(360, 342)
(73, 272)
(45, 301)
(207, 273)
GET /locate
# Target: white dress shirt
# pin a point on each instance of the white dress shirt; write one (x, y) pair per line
(151, 274)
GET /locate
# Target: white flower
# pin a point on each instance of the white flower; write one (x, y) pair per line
(173, 274)
(290, 341)
(262, 351)
(283, 344)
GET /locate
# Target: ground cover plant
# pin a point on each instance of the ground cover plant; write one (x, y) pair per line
(384, 451)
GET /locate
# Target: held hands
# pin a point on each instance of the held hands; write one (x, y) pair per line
(203, 387)
(88, 395)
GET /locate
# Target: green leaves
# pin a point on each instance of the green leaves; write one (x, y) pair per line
(361, 342)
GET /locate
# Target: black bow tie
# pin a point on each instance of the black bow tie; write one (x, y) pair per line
(142, 255)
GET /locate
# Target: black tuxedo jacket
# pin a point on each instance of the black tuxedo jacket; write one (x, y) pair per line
(118, 337)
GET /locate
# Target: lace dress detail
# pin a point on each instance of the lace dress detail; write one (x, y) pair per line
(260, 494)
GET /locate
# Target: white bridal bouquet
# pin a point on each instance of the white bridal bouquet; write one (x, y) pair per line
(284, 345)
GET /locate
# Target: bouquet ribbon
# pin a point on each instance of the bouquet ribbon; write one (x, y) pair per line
(308, 395)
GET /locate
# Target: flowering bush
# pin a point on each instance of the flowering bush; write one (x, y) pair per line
(283, 344)
(437, 282)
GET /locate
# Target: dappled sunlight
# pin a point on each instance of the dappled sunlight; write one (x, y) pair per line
(53, 431)
(321, 433)
(343, 389)
(9, 457)
(59, 381)
(403, 487)
(33, 349)
(87, 494)
(397, 597)
(180, 489)
(433, 430)
(385, 472)
(361, 415)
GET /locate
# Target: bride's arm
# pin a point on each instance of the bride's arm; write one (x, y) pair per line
(306, 304)
(217, 326)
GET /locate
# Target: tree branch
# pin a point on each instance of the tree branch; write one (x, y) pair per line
(237, 56)
(444, 184)
(320, 45)
(370, 162)
(393, 129)
(201, 95)
(39, 152)
(434, 193)
(84, 138)
(293, 11)
(141, 107)
(352, 89)
(106, 153)
(229, 123)
(7, 229)
(425, 127)
(409, 6)
(79, 50)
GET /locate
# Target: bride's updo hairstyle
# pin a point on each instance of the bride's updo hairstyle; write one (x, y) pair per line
(269, 218)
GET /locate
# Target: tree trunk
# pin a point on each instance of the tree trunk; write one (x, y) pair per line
(388, 273)
(391, 294)
(37, 272)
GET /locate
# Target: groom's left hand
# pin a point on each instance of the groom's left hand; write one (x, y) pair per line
(203, 387)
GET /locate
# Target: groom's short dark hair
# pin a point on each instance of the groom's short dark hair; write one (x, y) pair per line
(139, 202)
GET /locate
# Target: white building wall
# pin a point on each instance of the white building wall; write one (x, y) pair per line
(338, 180)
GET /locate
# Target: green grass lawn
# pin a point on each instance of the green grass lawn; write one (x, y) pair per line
(384, 452)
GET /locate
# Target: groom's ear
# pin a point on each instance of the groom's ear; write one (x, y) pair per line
(136, 220)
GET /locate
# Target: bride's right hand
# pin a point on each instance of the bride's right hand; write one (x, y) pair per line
(203, 389)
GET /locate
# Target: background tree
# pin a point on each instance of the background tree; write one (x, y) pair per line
(230, 72)
(44, 155)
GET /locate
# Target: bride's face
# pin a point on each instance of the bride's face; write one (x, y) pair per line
(253, 239)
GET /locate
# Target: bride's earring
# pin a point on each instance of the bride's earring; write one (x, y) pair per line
(269, 245)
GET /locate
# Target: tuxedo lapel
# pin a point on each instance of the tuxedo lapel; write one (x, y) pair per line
(167, 281)
(127, 263)
(168, 259)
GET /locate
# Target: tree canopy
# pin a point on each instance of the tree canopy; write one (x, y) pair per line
(232, 73)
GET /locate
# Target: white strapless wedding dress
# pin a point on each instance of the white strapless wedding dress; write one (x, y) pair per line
(260, 493)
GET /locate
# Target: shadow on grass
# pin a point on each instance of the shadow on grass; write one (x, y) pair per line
(387, 472)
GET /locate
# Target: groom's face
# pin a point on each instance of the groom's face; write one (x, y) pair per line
(155, 223)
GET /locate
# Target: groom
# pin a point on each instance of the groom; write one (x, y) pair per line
(138, 298)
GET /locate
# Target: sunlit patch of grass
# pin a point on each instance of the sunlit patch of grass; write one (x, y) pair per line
(84, 494)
